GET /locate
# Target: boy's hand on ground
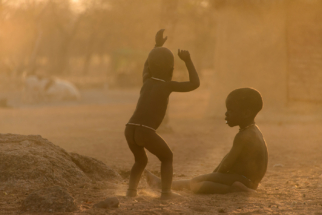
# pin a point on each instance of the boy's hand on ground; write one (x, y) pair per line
(159, 40)
(184, 55)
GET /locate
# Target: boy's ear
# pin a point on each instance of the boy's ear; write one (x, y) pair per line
(248, 113)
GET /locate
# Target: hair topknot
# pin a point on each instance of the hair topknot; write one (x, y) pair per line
(248, 98)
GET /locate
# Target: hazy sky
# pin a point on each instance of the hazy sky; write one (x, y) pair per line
(17, 2)
(77, 6)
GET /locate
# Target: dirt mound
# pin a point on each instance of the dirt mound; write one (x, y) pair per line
(31, 161)
(52, 199)
(94, 169)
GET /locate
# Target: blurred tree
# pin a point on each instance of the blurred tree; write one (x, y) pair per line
(169, 17)
(1, 20)
(67, 25)
(38, 38)
(17, 21)
(51, 34)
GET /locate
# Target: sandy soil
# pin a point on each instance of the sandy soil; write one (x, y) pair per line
(94, 127)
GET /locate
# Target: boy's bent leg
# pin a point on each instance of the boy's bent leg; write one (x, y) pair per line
(239, 187)
(181, 184)
(208, 187)
(217, 183)
(141, 161)
(157, 146)
(155, 182)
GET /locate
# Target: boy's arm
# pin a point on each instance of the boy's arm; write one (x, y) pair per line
(159, 41)
(193, 82)
(231, 157)
(216, 170)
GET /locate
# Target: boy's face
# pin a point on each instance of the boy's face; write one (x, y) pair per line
(234, 114)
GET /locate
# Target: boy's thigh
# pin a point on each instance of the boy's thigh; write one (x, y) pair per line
(138, 151)
(153, 143)
(222, 178)
(129, 134)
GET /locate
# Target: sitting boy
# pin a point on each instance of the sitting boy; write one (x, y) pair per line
(140, 131)
(245, 165)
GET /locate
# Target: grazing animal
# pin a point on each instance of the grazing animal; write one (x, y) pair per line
(40, 89)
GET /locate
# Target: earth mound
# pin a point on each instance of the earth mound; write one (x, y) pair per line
(33, 162)
(52, 199)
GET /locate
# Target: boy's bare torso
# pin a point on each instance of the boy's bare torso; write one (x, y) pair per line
(154, 94)
(253, 157)
(152, 104)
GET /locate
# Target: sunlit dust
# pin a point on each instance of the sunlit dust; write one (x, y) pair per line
(89, 100)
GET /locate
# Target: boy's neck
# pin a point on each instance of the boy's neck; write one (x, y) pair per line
(246, 123)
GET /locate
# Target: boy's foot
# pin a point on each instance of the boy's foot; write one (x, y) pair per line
(152, 180)
(131, 193)
(238, 186)
(169, 195)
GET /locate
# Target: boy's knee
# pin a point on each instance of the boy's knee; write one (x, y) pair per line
(193, 181)
(167, 158)
(194, 186)
(142, 161)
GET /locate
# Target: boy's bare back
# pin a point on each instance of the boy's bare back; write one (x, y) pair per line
(154, 95)
(152, 103)
(253, 157)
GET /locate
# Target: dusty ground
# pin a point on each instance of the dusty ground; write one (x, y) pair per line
(94, 127)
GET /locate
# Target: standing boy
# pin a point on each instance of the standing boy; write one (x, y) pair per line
(140, 131)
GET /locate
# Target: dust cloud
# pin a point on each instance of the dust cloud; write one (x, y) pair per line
(71, 71)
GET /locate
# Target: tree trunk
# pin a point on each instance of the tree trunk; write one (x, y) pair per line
(89, 53)
(168, 17)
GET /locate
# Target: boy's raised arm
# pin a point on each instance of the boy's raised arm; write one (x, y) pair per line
(159, 41)
(194, 81)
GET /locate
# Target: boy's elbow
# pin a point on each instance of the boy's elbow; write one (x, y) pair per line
(196, 85)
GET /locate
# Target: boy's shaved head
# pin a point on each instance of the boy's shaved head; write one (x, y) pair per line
(247, 98)
(161, 62)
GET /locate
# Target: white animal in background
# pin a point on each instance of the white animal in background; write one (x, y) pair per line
(33, 88)
(38, 89)
(62, 90)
